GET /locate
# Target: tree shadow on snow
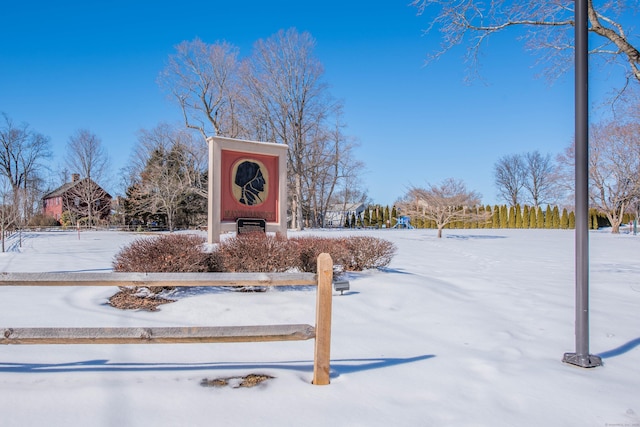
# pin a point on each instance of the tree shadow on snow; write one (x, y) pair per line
(472, 236)
(338, 366)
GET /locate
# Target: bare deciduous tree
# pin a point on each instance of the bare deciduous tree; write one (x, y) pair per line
(443, 204)
(510, 173)
(614, 168)
(541, 179)
(331, 172)
(288, 96)
(532, 172)
(547, 24)
(22, 151)
(9, 212)
(87, 157)
(204, 80)
(275, 95)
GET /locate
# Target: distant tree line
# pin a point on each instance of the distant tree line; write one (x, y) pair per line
(614, 171)
(497, 216)
(520, 217)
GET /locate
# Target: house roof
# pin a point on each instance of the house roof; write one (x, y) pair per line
(66, 187)
(349, 207)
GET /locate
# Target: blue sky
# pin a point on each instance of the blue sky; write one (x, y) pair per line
(69, 65)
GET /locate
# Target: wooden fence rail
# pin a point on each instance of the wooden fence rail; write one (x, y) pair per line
(321, 332)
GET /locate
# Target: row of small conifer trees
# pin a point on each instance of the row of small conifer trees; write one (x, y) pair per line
(501, 216)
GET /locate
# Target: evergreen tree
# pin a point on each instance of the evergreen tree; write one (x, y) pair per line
(512, 217)
(564, 219)
(556, 217)
(353, 220)
(548, 218)
(387, 220)
(367, 216)
(473, 223)
(539, 218)
(572, 220)
(488, 223)
(394, 216)
(504, 217)
(518, 221)
(495, 218)
(533, 219)
(481, 222)
(525, 217)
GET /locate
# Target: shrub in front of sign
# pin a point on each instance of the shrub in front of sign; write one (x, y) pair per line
(366, 252)
(170, 253)
(252, 252)
(257, 252)
(309, 247)
(351, 253)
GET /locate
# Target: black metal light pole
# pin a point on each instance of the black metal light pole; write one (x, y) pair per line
(582, 357)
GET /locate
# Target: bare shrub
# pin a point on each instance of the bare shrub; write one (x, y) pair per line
(353, 253)
(257, 252)
(172, 253)
(169, 253)
(310, 247)
(364, 252)
(252, 252)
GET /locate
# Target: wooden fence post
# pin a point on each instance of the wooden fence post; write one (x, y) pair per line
(322, 352)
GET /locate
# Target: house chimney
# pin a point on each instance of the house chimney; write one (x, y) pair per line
(75, 177)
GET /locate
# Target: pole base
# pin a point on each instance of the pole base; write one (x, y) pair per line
(583, 361)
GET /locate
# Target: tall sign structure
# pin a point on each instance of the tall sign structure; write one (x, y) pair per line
(247, 186)
(582, 357)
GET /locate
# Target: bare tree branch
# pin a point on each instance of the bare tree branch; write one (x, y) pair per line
(547, 27)
(443, 204)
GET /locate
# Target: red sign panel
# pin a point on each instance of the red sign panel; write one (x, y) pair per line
(249, 186)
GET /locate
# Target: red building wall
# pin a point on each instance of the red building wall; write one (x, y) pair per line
(53, 207)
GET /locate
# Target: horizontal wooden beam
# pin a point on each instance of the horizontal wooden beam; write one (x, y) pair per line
(157, 279)
(199, 334)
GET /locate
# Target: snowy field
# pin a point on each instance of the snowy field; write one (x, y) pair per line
(467, 330)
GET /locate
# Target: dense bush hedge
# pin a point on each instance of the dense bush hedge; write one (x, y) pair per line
(255, 252)
(169, 253)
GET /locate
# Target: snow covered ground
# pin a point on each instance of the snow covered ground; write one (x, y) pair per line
(467, 330)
